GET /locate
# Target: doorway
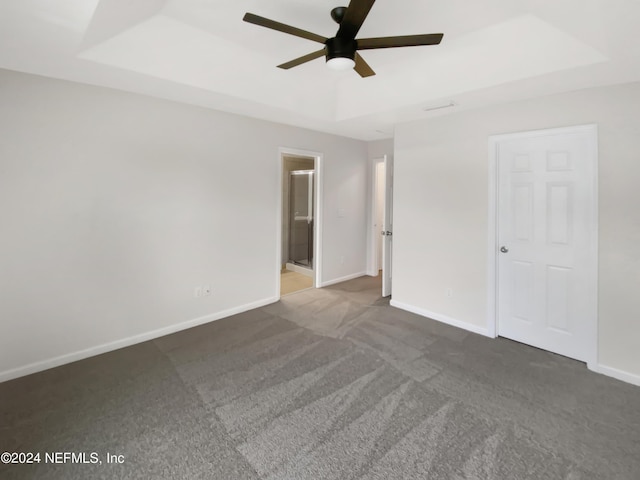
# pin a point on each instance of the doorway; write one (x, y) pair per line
(297, 266)
(299, 238)
(381, 222)
(544, 245)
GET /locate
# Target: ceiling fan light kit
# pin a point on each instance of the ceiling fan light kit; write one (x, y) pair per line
(341, 63)
(341, 51)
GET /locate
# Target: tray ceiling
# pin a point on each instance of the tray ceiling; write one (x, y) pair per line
(201, 52)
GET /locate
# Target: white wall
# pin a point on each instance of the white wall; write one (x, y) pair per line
(441, 217)
(114, 206)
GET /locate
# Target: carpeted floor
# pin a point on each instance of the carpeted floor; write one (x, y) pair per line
(325, 384)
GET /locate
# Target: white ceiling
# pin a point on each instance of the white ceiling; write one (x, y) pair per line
(201, 52)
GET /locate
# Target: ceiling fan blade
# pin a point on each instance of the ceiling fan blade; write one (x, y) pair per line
(403, 41)
(362, 67)
(357, 11)
(281, 27)
(301, 60)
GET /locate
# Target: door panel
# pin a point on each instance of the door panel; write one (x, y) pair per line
(559, 213)
(546, 224)
(522, 217)
(523, 295)
(558, 285)
(387, 231)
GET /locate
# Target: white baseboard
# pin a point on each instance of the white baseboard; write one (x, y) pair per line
(441, 318)
(342, 279)
(292, 267)
(615, 373)
(126, 342)
(598, 368)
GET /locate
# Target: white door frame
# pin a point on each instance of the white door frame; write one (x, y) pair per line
(492, 253)
(317, 213)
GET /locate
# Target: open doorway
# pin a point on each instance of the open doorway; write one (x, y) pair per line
(378, 212)
(381, 222)
(299, 224)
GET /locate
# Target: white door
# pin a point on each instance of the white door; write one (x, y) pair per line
(378, 208)
(387, 229)
(547, 240)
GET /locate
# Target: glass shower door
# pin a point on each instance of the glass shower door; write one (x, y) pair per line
(301, 218)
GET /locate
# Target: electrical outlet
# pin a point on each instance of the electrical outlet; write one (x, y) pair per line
(449, 292)
(206, 290)
(197, 292)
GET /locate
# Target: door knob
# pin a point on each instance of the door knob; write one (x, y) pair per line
(504, 249)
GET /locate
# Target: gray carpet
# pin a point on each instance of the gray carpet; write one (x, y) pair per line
(326, 384)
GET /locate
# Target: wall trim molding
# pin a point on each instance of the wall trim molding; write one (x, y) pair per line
(594, 367)
(442, 318)
(615, 373)
(126, 342)
(133, 340)
(343, 279)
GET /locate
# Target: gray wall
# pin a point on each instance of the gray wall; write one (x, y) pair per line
(380, 148)
(114, 206)
(441, 210)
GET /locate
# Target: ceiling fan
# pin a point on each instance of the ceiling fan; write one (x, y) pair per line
(341, 51)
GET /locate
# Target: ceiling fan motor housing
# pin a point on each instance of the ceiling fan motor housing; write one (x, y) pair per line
(341, 48)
